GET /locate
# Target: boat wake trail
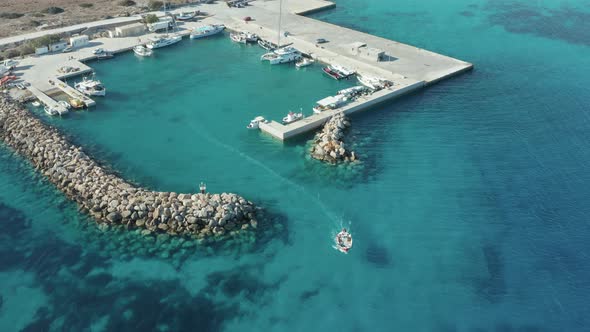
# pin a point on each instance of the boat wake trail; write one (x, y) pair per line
(331, 216)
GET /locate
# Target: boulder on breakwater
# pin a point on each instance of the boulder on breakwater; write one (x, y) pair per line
(111, 200)
(328, 144)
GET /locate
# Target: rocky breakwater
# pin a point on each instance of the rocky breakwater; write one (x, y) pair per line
(111, 200)
(328, 144)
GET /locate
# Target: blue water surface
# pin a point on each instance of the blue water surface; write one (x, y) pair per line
(469, 211)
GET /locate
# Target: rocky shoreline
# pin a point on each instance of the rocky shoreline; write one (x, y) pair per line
(110, 199)
(328, 144)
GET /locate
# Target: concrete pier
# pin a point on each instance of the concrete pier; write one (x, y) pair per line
(409, 68)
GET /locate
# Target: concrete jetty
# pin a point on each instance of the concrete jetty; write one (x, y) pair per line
(409, 68)
(74, 93)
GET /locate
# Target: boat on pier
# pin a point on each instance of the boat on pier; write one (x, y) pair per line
(186, 16)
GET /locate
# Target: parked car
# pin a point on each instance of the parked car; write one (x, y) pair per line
(320, 41)
(68, 49)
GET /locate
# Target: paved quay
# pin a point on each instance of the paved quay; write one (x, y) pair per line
(409, 68)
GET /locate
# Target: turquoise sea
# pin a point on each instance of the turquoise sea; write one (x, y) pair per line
(469, 211)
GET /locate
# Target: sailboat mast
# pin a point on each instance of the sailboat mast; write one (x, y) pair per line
(280, 16)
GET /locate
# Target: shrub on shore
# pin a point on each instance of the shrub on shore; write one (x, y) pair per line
(86, 5)
(126, 3)
(150, 18)
(53, 10)
(155, 4)
(11, 15)
(44, 41)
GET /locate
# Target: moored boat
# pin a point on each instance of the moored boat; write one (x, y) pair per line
(64, 104)
(304, 62)
(343, 70)
(238, 38)
(281, 55)
(142, 50)
(332, 73)
(91, 87)
(162, 41)
(50, 111)
(76, 103)
(206, 30)
(353, 91)
(36, 103)
(254, 124)
(251, 37)
(292, 117)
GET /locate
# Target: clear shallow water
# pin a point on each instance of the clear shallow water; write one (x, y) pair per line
(470, 213)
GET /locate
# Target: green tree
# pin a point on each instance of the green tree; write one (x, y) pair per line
(151, 18)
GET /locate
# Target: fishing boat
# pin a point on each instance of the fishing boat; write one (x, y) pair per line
(304, 62)
(90, 87)
(292, 117)
(254, 124)
(162, 41)
(186, 16)
(50, 111)
(238, 38)
(206, 30)
(329, 103)
(76, 103)
(142, 51)
(281, 55)
(266, 45)
(343, 241)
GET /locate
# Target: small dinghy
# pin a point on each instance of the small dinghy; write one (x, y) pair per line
(304, 62)
(36, 103)
(254, 124)
(343, 241)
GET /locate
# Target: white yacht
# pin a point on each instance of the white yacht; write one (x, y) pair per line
(206, 30)
(142, 50)
(304, 62)
(91, 87)
(254, 124)
(162, 41)
(282, 55)
(292, 117)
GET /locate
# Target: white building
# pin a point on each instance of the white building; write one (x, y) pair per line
(79, 41)
(130, 30)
